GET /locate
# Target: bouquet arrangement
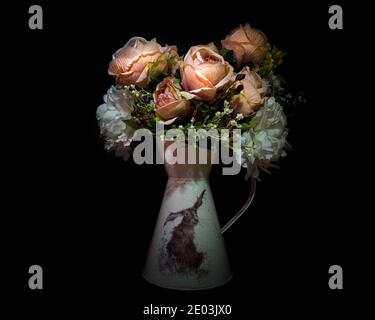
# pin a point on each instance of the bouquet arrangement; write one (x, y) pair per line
(233, 86)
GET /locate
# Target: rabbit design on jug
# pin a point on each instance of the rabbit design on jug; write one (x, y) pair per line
(180, 251)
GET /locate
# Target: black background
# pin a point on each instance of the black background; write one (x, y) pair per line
(87, 217)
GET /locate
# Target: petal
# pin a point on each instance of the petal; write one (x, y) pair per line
(152, 47)
(239, 34)
(131, 50)
(188, 56)
(213, 47)
(191, 80)
(256, 37)
(127, 78)
(213, 72)
(205, 93)
(228, 79)
(241, 105)
(140, 64)
(181, 109)
(136, 43)
(239, 51)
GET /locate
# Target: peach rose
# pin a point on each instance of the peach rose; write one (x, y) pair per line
(204, 71)
(248, 44)
(252, 96)
(169, 102)
(131, 64)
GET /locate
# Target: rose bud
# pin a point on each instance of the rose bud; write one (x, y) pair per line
(169, 102)
(131, 64)
(204, 71)
(252, 96)
(248, 44)
(172, 58)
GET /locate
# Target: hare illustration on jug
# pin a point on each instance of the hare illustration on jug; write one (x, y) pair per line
(179, 253)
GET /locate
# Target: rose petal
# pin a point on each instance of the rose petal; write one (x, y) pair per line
(180, 109)
(191, 80)
(205, 93)
(213, 72)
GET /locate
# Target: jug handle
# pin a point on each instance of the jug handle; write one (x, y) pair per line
(244, 207)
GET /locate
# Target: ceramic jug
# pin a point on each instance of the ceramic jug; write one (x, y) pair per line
(187, 250)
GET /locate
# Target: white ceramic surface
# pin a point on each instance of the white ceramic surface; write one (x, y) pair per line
(187, 251)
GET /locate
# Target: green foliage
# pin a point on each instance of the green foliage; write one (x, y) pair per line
(204, 111)
(170, 61)
(274, 58)
(213, 115)
(143, 115)
(157, 76)
(133, 122)
(177, 76)
(228, 56)
(155, 71)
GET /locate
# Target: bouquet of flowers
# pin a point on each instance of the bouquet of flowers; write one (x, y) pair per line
(233, 86)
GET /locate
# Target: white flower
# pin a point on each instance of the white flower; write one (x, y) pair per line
(117, 107)
(239, 116)
(264, 143)
(227, 110)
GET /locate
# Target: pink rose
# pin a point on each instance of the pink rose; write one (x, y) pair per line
(204, 71)
(169, 102)
(252, 96)
(132, 63)
(248, 44)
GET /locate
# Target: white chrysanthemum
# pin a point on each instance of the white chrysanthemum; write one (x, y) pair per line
(117, 107)
(264, 143)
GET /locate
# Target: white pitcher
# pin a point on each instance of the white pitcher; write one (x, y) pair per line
(187, 251)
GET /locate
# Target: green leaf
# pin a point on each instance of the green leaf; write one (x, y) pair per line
(178, 75)
(277, 56)
(274, 58)
(157, 76)
(176, 81)
(228, 56)
(133, 122)
(170, 61)
(246, 126)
